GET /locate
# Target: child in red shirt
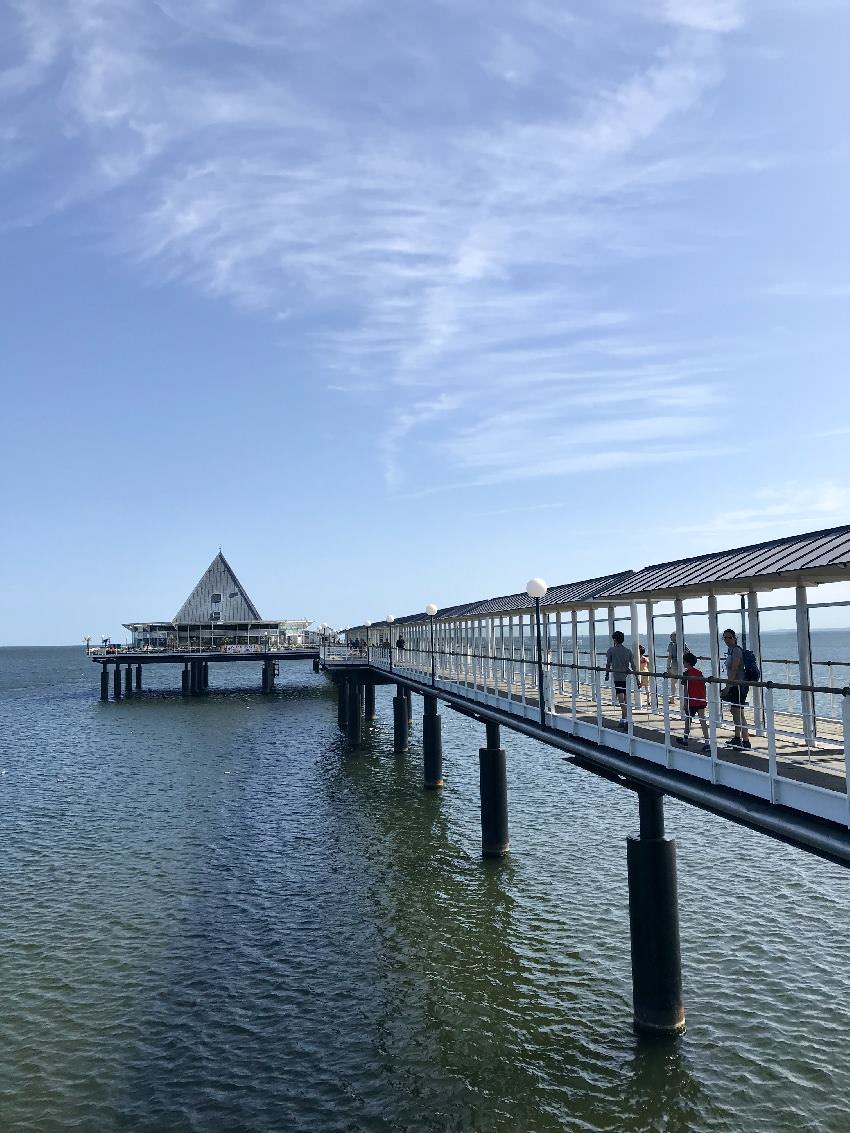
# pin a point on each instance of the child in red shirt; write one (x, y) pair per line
(695, 702)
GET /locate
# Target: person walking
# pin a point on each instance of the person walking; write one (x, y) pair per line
(620, 661)
(735, 691)
(644, 677)
(695, 702)
(673, 664)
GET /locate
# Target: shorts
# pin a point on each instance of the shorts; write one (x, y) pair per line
(620, 687)
(692, 709)
(737, 694)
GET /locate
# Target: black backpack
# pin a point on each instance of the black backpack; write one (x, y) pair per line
(751, 668)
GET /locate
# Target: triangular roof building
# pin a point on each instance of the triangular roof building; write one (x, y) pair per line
(218, 596)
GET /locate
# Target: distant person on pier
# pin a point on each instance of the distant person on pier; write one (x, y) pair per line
(620, 661)
(400, 644)
(695, 701)
(735, 691)
(644, 676)
(673, 664)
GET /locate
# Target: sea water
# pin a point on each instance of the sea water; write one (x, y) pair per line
(216, 917)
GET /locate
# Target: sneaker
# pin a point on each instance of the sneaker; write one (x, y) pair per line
(622, 726)
(706, 748)
(681, 741)
(732, 743)
(746, 745)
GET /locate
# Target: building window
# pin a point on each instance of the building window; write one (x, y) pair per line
(216, 598)
(215, 616)
(233, 594)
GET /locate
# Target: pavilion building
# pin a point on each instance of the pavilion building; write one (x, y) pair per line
(218, 614)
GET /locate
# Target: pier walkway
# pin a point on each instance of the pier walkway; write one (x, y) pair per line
(537, 665)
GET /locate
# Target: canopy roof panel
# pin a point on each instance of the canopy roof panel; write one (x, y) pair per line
(819, 556)
(564, 594)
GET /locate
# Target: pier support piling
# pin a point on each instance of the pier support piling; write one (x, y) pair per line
(205, 668)
(354, 728)
(400, 721)
(116, 683)
(369, 704)
(493, 785)
(138, 678)
(654, 923)
(316, 665)
(342, 703)
(104, 683)
(128, 681)
(432, 744)
(408, 692)
(184, 679)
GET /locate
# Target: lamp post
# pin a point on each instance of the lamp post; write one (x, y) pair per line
(431, 611)
(367, 624)
(536, 588)
(390, 620)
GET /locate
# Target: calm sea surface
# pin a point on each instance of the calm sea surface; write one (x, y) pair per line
(216, 918)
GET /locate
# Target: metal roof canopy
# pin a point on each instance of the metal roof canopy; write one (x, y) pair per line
(566, 594)
(817, 557)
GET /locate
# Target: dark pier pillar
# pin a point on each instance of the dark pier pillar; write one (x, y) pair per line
(408, 693)
(493, 784)
(400, 720)
(197, 678)
(316, 664)
(654, 923)
(104, 683)
(369, 700)
(138, 678)
(116, 683)
(432, 744)
(342, 703)
(265, 677)
(354, 716)
(206, 674)
(128, 681)
(185, 686)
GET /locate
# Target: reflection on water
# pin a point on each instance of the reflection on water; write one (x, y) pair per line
(217, 918)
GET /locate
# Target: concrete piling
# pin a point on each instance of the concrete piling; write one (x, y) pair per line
(369, 700)
(432, 744)
(185, 686)
(493, 786)
(400, 720)
(138, 678)
(104, 683)
(654, 923)
(354, 725)
(128, 681)
(116, 683)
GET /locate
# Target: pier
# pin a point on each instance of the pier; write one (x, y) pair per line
(532, 662)
(217, 624)
(775, 756)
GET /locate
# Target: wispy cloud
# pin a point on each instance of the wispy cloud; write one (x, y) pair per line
(428, 199)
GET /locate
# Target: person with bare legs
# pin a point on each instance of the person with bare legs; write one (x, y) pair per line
(735, 691)
(619, 659)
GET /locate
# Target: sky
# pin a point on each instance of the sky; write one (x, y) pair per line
(407, 302)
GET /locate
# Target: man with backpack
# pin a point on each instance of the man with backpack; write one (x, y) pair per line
(735, 691)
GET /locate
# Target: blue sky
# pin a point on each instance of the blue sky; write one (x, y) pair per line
(407, 302)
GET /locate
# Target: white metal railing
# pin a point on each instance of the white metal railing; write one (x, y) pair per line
(799, 758)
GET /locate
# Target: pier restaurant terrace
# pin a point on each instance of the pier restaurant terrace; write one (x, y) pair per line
(217, 616)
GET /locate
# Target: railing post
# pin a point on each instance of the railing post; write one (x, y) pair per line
(770, 727)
